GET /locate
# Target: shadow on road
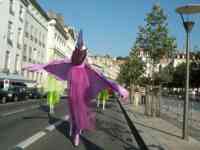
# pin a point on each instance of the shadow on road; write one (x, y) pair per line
(64, 127)
(115, 131)
(44, 108)
(36, 117)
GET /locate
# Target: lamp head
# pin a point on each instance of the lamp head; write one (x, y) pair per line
(186, 12)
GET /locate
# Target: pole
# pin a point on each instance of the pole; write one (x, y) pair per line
(188, 25)
(186, 102)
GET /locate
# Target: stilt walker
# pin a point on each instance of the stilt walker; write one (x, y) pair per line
(84, 85)
(103, 97)
(53, 94)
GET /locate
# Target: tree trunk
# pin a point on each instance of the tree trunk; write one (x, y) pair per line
(148, 101)
(156, 101)
(152, 104)
(131, 93)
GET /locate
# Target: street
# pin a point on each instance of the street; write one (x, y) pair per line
(34, 129)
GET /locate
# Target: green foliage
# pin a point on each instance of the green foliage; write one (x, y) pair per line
(154, 37)
(131, 71)
(165, 75)
(178, 75)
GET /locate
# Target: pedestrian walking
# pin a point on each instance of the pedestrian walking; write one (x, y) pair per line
(84, 85)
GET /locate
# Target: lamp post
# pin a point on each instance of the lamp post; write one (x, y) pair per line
(188, 25)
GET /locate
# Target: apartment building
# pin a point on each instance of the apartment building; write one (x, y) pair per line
(108, 65)
(34, 39)
(13, 16)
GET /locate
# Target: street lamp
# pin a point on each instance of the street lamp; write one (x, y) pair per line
(186, 11)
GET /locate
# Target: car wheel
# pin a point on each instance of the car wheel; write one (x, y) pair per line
(3, 100)
(15, 98)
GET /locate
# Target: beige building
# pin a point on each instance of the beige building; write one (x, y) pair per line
(106, 64)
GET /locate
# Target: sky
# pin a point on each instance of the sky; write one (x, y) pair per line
(111, 26)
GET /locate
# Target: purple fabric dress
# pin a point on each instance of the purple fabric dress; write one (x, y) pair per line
(84, 85)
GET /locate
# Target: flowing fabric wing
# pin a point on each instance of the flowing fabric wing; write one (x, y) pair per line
(98, 82)
(58, 68)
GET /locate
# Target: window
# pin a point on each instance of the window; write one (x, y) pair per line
(19, 38)
(34, 55)
(6, 62)
(10, 33)
(16, 63)
(36, 36)
(43, 41)
(26, 29)
(30, 53)
(31, 32)
(11, 7)
(24, 52)
(21, 12)
(40, 39)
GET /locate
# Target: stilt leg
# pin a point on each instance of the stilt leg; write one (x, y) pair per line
(104, 102)
(76, 140)
(70, 129)
(98, 103)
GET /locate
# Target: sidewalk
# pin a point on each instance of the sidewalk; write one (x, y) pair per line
(157, 133)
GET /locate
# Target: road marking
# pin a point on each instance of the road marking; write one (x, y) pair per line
(53, 126)
(19, 110)
(24, 144)
(12, 103)
(30, 140)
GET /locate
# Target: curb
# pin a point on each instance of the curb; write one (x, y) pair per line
(134, 131)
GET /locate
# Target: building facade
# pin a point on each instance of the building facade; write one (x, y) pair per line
(13, 16)
(108, 65)
(34, 40)
(29, 35)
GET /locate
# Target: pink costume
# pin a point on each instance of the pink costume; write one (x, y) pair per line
(84, 85)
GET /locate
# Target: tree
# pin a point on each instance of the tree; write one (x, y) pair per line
(154, 39)
(130, 72)
(165, 75)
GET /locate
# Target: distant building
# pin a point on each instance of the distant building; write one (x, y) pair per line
(108, 65)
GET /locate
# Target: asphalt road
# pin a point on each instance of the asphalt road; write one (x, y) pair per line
(34, 129)
(24, 121)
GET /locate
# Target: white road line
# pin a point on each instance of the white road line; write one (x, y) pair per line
(17, 111)
(31, 140)
(12, 112)
(24, 144)
(12, 103)
(53, 126)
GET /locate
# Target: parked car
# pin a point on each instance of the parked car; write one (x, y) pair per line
(15, 92)
(34, 93)
(6, 95)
